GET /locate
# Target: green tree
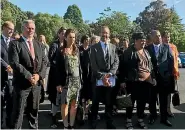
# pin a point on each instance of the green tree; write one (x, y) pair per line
(118, 22)
(74, 14)
(48, 25)
(158, 16)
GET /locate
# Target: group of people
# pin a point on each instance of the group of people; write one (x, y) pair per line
(88, 73)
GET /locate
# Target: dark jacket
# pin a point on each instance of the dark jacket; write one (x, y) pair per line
(163, 65)
(4, 63)
(128, 68)
(22, 63)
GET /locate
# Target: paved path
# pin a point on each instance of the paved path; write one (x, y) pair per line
(119, 120)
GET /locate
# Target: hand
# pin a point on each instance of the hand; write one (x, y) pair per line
(32, 80)
(123, 85)
(59, 88)
(106, 81)
(35, 78)
(9, 69)
(176, 76)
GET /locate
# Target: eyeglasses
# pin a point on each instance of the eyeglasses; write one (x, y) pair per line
(29, 28)
(12, 29)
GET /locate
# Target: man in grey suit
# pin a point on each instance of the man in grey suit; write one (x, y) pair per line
(104, 63)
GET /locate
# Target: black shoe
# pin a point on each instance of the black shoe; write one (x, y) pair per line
(170, 115)
(71, 127)
(93, 125)
(110, 126)
(151, 120)
(166, 122)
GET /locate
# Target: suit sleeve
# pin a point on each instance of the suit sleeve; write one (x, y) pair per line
(170, 61)
(42, 72)
(13, 58)
(52, 54)
(115, 65)
(94, 67)
(3, 63)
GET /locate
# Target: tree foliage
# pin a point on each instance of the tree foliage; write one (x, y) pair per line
(158, 16)
(73, 14)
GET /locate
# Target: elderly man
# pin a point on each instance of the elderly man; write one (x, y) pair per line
(7, 32)
(163, 63)
(27, 58)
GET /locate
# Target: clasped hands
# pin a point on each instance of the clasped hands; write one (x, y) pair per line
(9, 69)
(34, 79)
(106, 81)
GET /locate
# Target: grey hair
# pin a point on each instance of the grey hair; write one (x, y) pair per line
(27, 22)
(94, 37)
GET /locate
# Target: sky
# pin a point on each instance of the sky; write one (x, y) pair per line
(91, 8)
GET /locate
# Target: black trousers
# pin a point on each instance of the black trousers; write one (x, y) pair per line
(20, 99)
(9, 102)
(162, 90)
(139, 92)
(102, 94)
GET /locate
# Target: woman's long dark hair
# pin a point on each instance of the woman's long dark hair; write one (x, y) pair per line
(74, 47)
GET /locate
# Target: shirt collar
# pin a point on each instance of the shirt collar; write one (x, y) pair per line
(5, 38)
(156, 45)
(25, 39)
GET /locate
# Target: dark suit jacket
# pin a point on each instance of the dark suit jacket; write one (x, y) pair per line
(98, 63)
(4, 62)
(22, 63)
(52, 52)
(163, 65)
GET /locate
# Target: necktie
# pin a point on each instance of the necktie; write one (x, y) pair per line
(7, 42)
(156, 51)
(106, 54)
(31, 49)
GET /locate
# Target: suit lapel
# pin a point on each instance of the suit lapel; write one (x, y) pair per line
(100, 50)
(25, 46)
(35, 45)
(3, 43)
(110, 51)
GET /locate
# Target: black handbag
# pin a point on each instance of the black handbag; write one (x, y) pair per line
(176, 97)
(123, 100)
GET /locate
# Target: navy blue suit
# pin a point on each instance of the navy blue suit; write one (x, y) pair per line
(163, 68)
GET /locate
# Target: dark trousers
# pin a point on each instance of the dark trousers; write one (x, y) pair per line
(20, 99)
(9, 102)
(139, 93)
(163, 100)
(102, 94)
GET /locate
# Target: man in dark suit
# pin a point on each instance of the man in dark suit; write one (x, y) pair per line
(162, 60)
(104, 63)
(7, 32)
(27, 58)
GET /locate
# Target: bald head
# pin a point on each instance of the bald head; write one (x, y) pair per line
(156, 37)
(7, 29)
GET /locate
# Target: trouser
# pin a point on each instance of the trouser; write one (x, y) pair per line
(20, 99)
(169, 103)
(104, 94)
(9, 102)
(139, 93)
(163, 101)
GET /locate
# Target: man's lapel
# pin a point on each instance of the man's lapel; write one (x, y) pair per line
(35, 45)
(25, 46)
(100, 50)
(3, 43)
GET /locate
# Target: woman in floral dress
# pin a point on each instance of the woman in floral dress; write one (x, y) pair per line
(68, 78)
